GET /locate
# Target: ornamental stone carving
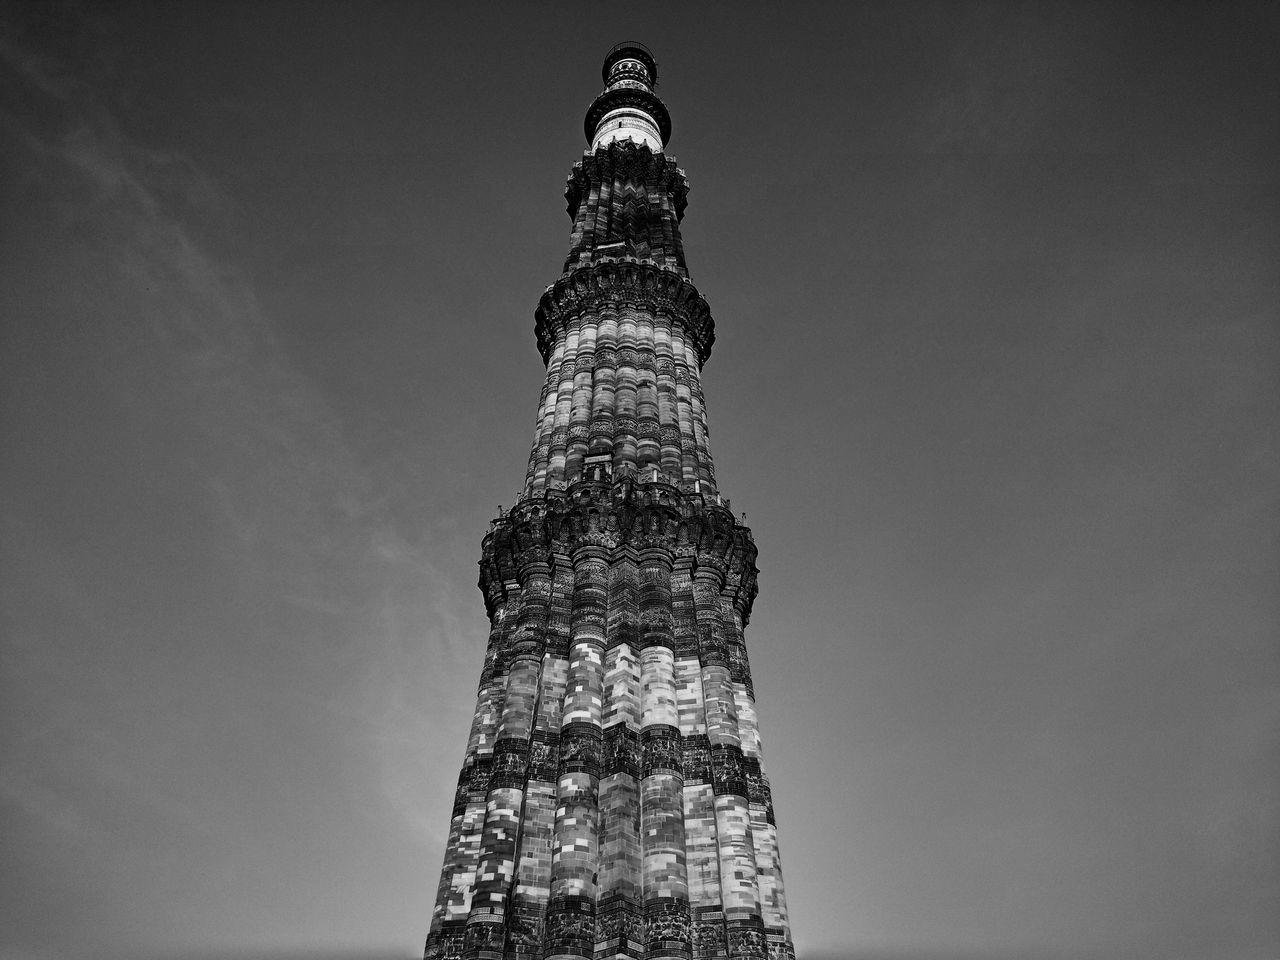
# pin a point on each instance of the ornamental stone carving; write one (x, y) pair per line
(707, 934)
(757, 786)
(622, 752)
(524, 933)
(746, 939)
(662, 750)
(726, 770)
(544, 757)
(581, 748)
(509, 758)
(666, 922)
(478, 778)
(569, 927)
(697, 759)
(450, 943)
(484, 934)
(620, 920)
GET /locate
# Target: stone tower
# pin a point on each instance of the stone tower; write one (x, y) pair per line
(612, 802)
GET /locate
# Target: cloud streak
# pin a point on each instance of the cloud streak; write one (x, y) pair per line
(221, 461)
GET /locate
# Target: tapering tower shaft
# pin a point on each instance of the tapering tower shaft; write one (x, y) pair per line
(612, 802)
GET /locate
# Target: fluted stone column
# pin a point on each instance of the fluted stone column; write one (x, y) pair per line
(619, 928)
(739, 893)
(580, 408)
(668, 413)
(574, 855)
(536, 475)
(462, 850)
(764, 831)
(666, 886)
(564, 407)
(624, 418)
(648, 445)
(684, 405)
(702, 855)
(701, 432)
(486, 934)
(604, 386)
(528, 908)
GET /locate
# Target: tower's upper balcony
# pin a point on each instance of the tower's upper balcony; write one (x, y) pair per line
(628, 109)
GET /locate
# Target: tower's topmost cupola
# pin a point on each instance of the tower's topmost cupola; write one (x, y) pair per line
(628, 109)
(630, 61)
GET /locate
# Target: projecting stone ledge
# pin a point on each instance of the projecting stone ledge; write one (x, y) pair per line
(625, 514)
(624, 283)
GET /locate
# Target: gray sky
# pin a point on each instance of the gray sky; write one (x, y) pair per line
(996, 384)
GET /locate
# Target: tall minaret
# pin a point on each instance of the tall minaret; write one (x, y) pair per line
(612, 802)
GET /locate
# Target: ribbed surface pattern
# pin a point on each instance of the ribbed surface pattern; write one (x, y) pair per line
(611, 802)
(623, 392)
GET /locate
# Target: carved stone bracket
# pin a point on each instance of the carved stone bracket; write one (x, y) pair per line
(624, 282)
(625, 514)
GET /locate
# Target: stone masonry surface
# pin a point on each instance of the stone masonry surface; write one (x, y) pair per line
(612, 801)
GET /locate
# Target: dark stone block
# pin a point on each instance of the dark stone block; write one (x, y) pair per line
(478, 779)
(510, 758)
(726, 770)
(754, 779)
(621, 751)
(697, 759)
(711, 648)
(484, 939)
(662, 750)
(746, 939)
(779, 944)
(544, 757)
(524, 933)
(666, 923)
(619, 919)
(707, 934)
(570, 927)
(684, 642)
(451, 942)
(581, 749)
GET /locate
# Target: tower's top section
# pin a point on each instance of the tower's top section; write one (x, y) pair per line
(630, 57)
(628, 109)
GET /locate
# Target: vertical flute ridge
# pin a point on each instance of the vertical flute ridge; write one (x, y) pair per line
(618, 930)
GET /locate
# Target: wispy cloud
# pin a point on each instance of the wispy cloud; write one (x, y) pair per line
(226, 461)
